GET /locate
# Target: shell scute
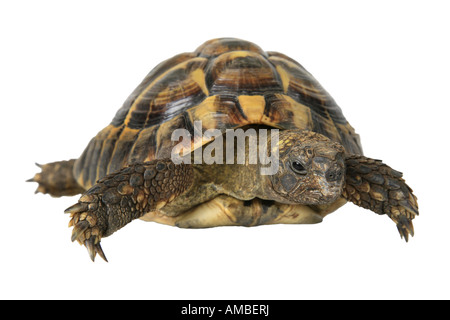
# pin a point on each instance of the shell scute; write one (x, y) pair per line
(216, 47)
(170, 94)
(301, 85)
(151, 76)
(242, 73)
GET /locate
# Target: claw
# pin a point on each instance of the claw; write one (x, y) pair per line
(93, 249)
(40, 189)
(403, 232)
(85, 230)
(99, 250)
(405, 228)
(79, 228)
(410, 206)
(410, 228)
(37, 176)
(89, 244)
(76, 208)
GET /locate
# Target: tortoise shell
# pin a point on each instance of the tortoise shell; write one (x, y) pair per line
(226, 83)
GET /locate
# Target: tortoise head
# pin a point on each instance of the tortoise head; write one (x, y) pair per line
(311, 168)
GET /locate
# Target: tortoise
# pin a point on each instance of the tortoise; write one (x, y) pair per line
(128, 171)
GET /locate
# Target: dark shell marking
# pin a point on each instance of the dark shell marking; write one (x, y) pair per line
(227, 83)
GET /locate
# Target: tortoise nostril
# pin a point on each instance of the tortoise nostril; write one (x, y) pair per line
(333, 174)
(330, 176)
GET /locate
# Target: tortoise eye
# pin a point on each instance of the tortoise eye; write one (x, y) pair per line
(298, 167)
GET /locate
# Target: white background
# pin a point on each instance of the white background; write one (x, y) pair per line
(65, 69)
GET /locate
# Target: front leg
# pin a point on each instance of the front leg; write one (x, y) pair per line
(121, 197)
(373, 185)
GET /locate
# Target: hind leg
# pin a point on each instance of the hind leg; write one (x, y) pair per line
(57, 179)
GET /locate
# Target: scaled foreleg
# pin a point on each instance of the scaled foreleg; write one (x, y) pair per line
(373, 185)
(121, 197)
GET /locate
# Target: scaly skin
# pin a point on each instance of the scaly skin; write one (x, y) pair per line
(373, 185)
(119, 198)
(57, 179)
